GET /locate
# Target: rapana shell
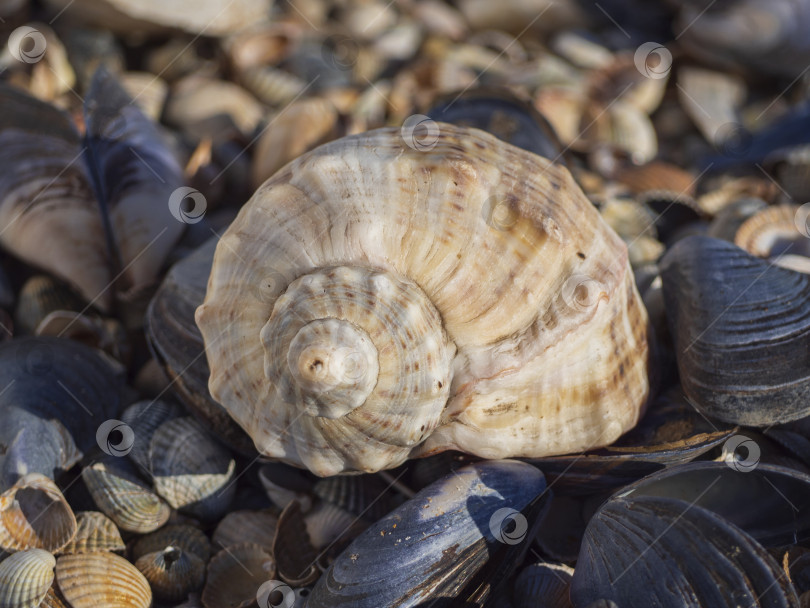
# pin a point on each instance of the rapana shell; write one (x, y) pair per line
(407, 291)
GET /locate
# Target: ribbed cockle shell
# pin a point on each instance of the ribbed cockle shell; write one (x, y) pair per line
(382, 298)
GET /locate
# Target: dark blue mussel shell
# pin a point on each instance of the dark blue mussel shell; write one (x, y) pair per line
(452, 542)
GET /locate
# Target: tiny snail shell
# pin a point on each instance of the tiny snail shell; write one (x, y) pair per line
(376, 301)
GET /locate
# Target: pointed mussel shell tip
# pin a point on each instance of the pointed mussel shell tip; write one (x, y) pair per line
(374, 302)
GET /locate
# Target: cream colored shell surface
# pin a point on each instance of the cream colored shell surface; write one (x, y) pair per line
(374, 302)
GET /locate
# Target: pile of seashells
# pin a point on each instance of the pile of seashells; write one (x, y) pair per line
(369, 303)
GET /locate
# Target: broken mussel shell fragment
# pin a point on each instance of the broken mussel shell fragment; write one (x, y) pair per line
(738, 323)
(453, 539)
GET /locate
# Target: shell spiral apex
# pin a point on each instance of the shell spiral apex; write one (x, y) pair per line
(376, 301)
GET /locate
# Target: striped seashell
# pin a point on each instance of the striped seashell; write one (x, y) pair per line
(124, 498)
(92, 580)
(54, 599)
(35, 514)
(25, 578)
(95, 532)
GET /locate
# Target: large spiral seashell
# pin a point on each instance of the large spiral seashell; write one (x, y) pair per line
(376, 301)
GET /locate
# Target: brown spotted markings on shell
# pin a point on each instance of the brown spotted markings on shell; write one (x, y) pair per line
(374, 302)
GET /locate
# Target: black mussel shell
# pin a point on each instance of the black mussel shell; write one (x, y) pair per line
(652, 551)
(741, 327)
(451, 543)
